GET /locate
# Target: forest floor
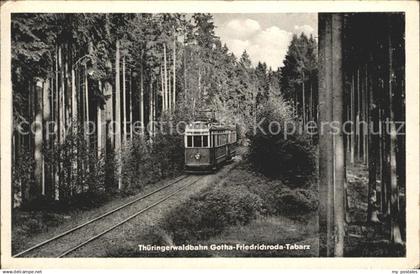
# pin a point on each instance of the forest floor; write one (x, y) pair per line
(362, 239)
(269, 229)
(264, 229)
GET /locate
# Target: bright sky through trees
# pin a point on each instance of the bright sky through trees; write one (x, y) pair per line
(265, 37)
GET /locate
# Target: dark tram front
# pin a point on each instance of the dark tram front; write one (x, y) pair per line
(208, 146)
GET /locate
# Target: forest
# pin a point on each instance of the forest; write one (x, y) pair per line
(95, 98)
(119, 73)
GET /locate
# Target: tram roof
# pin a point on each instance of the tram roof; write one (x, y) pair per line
(203, 127)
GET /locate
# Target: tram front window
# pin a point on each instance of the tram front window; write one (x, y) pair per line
(189, 141)
(205, 141)
(197, 141)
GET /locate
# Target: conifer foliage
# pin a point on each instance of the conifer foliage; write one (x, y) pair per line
(89, 76)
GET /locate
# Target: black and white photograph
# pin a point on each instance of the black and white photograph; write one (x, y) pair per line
(209, 134)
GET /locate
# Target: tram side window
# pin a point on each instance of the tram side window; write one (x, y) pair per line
(197, 141)
(223, 139)
(205, 141)
(189, 141)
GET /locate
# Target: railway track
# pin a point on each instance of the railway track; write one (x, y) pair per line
(63, 244)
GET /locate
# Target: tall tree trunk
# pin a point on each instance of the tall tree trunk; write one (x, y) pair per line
(57, 125)
(174, 75)
(74, 121)
(130, 97)
(118, 114)
(62, 115)
(169, 92)
(15, 146)
(154, 102)
(151, 121)
(67, 106)
(166, 77)
(62, 95)
(311, 117)
(303, 99)
(359, 144)
(82, 96)
(295, 101)
(99, 127)
(109, 136)
(385, 164)
(142, 96)
(362, 117)
(326, 184)
(199, 82)
(87, 106)
(185, 74)
(101, 134)
(373, 118)
(67, 75)
(102, 118)
(73, 98)
(380, 157)
(366, 115)
(30, 138)
(339, 157)
(353, 119)
(124, 93)
(85, 165)
(47, 94)
(163, 89)
(394, 190)
(38, 155)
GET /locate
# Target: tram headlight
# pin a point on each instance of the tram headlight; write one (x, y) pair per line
(197, 156)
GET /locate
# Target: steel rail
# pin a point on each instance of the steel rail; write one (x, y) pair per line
(126, 220)
(97, 218)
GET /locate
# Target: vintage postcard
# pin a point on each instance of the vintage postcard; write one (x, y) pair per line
(209, 134)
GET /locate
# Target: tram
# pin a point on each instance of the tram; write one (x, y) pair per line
(208, 146)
